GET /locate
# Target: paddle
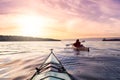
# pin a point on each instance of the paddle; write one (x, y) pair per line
(68, 44)
(72, 43)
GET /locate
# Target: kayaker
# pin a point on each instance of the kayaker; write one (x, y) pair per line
(77, 44)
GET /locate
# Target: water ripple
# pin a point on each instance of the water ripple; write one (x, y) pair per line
(18, 60)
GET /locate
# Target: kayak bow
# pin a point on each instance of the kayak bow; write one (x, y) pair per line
(51, 69)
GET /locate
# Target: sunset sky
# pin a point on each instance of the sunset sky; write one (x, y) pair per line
(60, 19)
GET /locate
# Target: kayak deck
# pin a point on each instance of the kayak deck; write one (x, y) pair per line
(51, 76)
(51, 69)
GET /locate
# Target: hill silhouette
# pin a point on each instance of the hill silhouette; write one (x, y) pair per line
(113, 39)
(23, 38)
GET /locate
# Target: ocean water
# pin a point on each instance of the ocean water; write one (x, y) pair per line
(18, 60)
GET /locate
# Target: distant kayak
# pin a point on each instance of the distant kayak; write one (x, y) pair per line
(80, 48)
(51, 69)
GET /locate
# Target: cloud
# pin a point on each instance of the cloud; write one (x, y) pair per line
(14, 6)
(96, 10)
(5, 7)
(80, 15)
(90, 9)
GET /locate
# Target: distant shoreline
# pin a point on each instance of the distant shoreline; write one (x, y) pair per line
(114, 39)
(91, 39)
(23, 38)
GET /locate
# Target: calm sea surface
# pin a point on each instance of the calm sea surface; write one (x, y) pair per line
(19, 59)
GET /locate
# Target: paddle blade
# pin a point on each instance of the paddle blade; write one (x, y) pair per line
(68, 44)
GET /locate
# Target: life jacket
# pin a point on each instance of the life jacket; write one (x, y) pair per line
(77, 44)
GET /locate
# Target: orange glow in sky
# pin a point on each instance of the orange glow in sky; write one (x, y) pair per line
(31, 25)
(60, 19)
